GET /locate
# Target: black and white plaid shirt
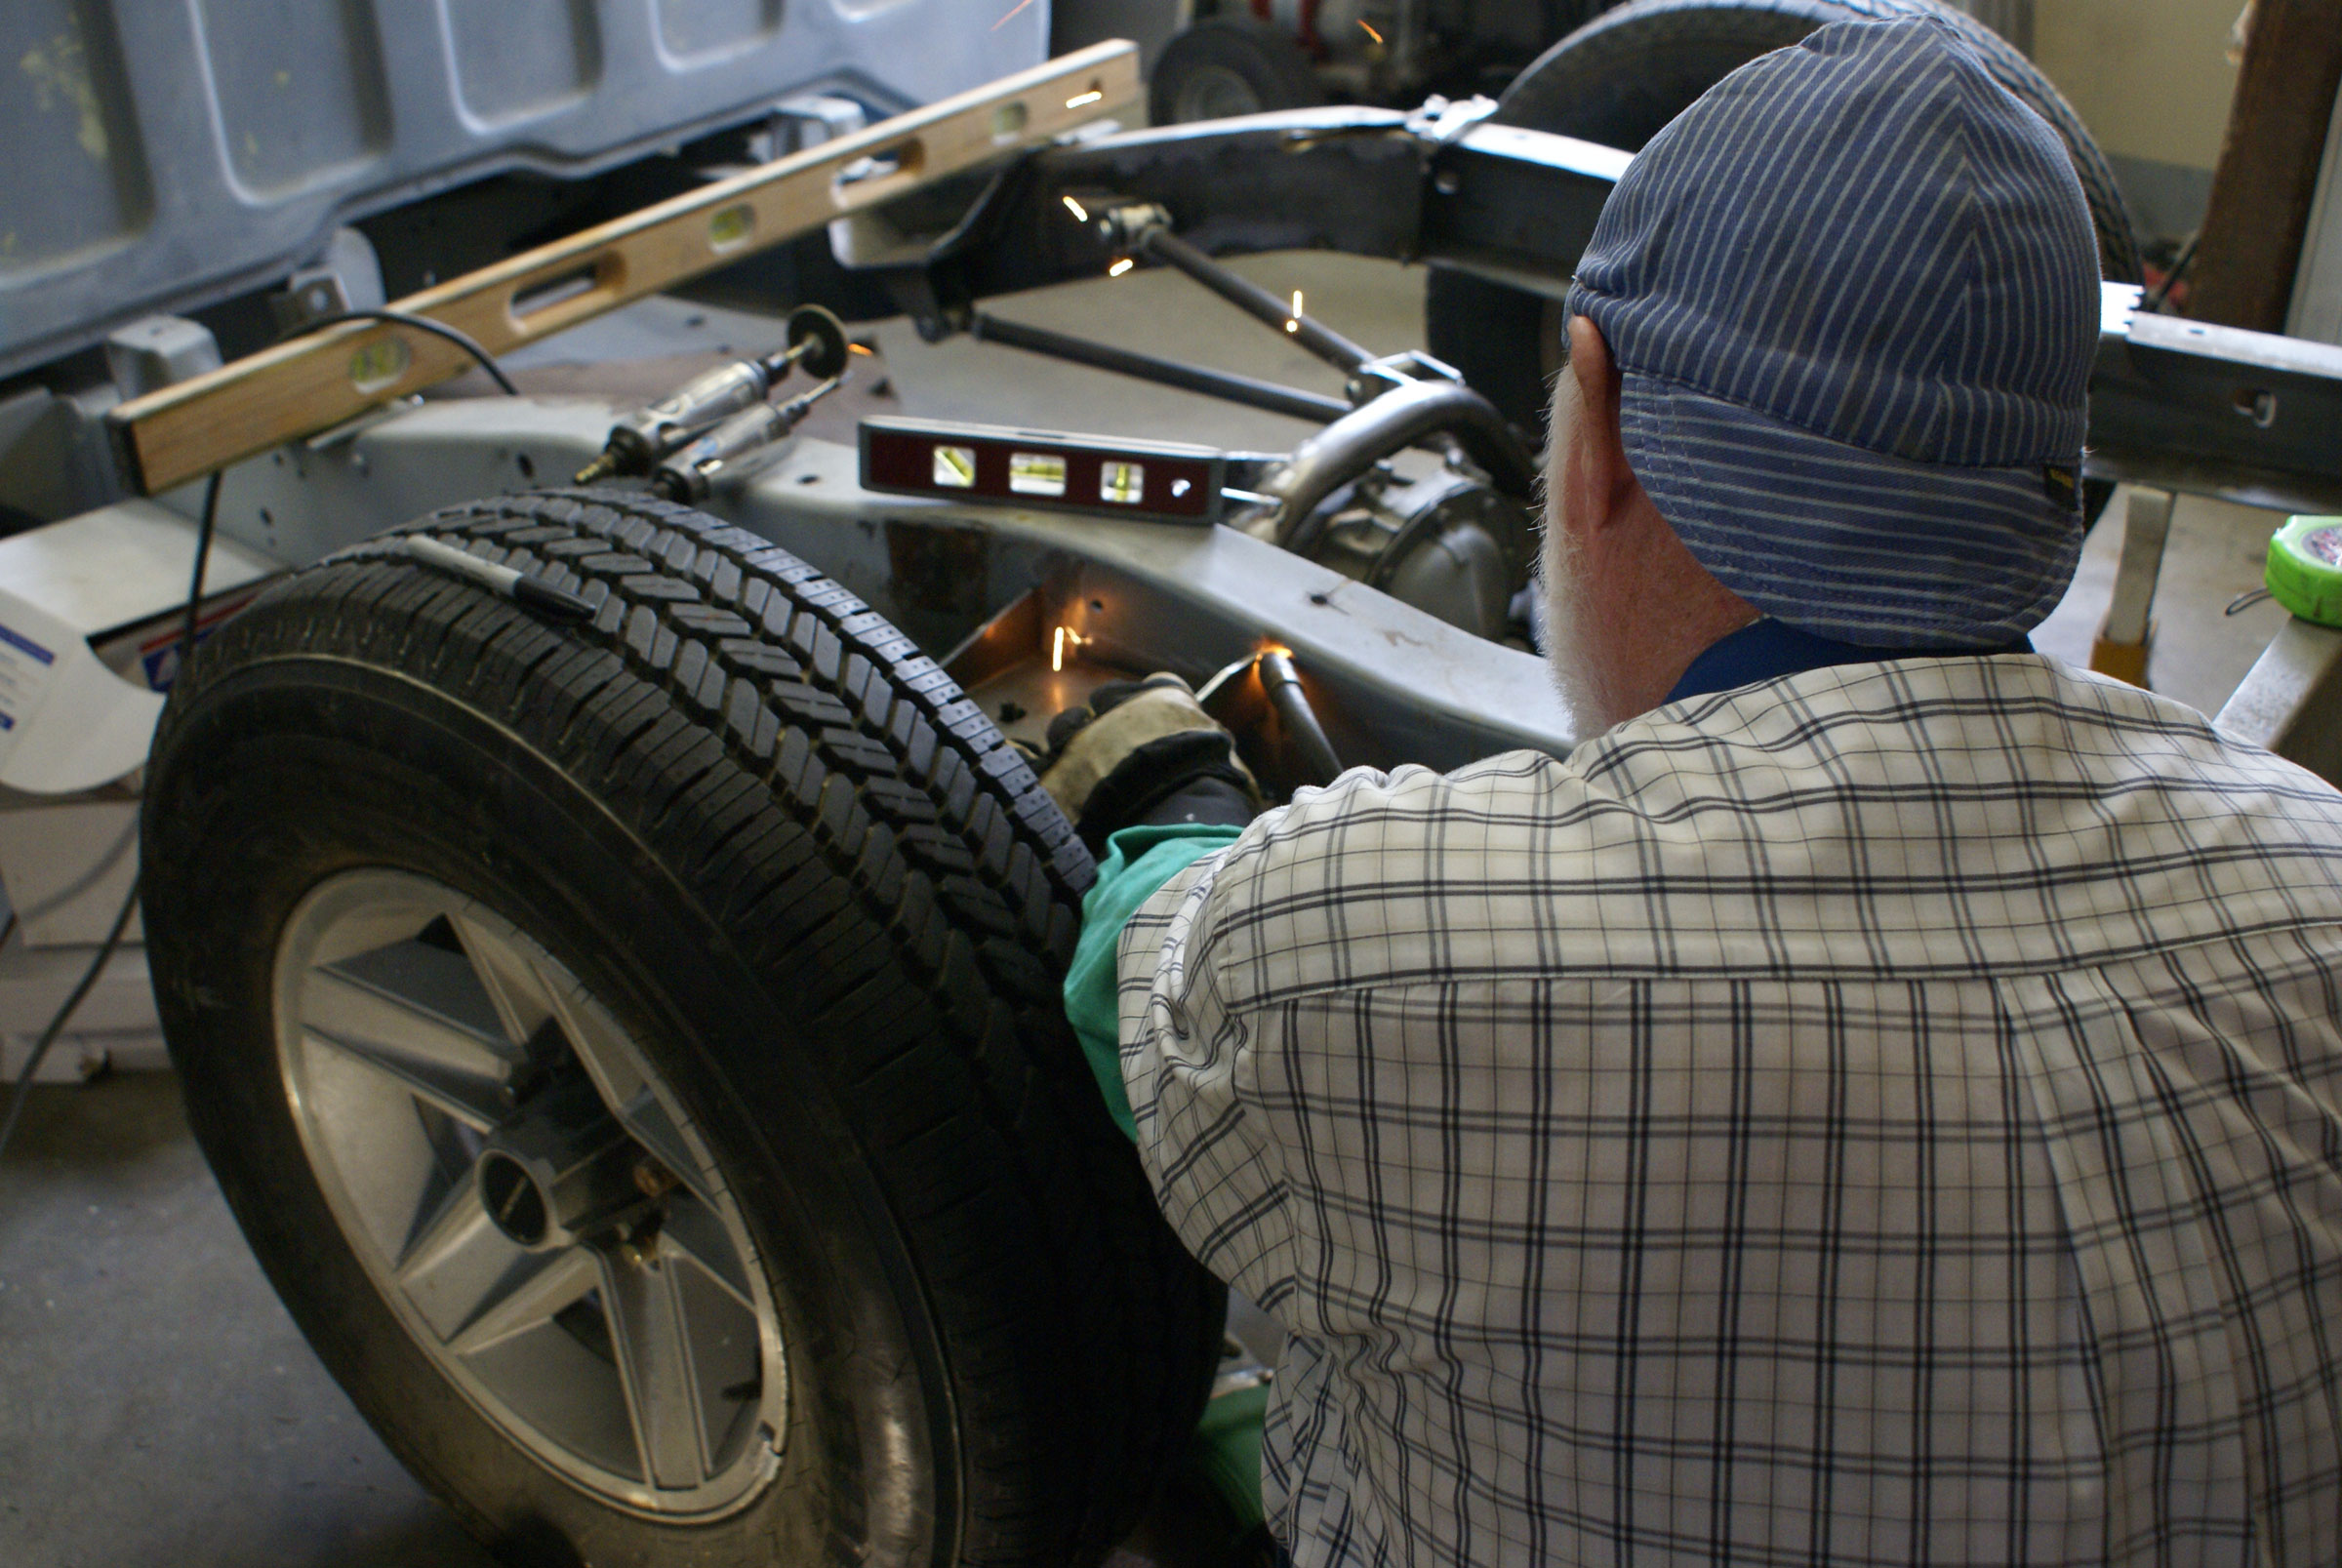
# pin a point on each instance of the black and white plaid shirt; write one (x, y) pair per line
(1889, 1114)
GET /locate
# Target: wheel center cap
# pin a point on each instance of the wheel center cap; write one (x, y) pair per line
(561, 1172)
(515, 1203)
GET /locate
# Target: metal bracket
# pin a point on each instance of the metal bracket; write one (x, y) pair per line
(2127, 634)
(1442, 122)
(346, 276)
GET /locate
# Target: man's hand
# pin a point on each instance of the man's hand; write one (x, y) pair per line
(1144, 751)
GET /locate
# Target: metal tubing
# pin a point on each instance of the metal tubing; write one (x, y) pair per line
(2292, 699)
(2145, 528)
(1220, 383)
(1397, 419)
(1253, 299)
(1283, 682)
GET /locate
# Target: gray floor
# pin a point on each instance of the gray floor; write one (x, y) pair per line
(156, 1405)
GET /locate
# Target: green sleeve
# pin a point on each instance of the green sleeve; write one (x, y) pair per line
(1138, 862)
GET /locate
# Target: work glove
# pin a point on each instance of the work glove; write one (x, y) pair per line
(1144, 751)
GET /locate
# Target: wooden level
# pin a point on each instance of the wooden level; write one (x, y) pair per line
(314, 382)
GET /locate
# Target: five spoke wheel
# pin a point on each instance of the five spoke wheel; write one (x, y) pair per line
(535, 1205)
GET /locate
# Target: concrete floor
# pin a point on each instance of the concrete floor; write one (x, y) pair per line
(156, 1404)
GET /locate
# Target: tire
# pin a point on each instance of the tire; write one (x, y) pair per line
(1227, 65)
(1619, 79)
(795, 917)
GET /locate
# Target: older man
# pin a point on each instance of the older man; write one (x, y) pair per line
(1879, 1101)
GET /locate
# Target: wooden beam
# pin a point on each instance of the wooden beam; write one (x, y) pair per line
(314, 383)
(2267, 171)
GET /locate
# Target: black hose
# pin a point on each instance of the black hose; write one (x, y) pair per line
(57, 1023)
(438, 329)
(2152, 302)
(205, 523)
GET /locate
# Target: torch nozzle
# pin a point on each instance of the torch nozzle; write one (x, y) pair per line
(1282, 681)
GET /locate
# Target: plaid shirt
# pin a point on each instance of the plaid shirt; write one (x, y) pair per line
(1890, 1113)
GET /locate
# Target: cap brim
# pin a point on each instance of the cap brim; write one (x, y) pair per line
(1846, 542)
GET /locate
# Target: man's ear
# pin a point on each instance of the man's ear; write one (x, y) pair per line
(1605, 481)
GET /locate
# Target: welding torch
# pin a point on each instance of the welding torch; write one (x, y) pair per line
(1280, 683)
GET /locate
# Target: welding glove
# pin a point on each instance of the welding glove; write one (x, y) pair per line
(1145, 753)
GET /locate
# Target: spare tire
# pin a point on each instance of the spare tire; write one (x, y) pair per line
(632, 1047)
(1228, 66)
(1619, 78)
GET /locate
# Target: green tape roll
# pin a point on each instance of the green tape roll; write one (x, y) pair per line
(2305, 569)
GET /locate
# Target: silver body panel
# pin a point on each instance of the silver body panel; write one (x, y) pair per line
(165, 153)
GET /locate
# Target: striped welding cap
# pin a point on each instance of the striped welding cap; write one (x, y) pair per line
(1852, 295)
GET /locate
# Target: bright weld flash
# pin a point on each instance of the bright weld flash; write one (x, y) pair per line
(1079, 98)
(1079, 213)
(1120, 267)
(1057, 647)
(1370, 32)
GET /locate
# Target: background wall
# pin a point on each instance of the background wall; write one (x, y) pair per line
(2151, 79)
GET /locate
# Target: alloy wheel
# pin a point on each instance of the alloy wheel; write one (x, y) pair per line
(531, 1199)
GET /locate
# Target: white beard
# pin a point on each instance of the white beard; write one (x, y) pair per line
(1560, 584)
(1565, 660)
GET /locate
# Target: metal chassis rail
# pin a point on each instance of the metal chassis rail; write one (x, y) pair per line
(2249, 416)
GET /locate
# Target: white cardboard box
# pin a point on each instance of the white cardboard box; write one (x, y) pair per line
(66, 862)
(115, 1025)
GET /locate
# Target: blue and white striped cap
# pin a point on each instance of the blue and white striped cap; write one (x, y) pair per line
(1852, 292)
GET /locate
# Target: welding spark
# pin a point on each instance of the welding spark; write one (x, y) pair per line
(1019, 6)
(1093, 96)
(1370, 32)
(1079, 211)
(1293, 321)
(860, 349)
(1120, 267)
(1057, 648)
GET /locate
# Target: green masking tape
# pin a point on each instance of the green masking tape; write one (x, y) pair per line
(2305, 569)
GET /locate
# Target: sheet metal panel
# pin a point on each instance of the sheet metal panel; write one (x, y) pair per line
(161, 153)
